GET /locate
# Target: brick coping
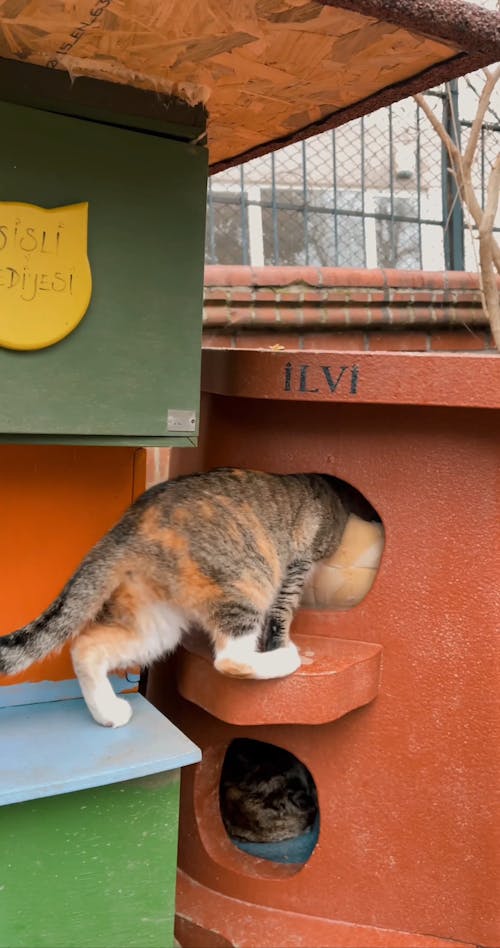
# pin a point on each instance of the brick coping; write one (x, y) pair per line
(304, 306)
(279, 297)
(223, 275)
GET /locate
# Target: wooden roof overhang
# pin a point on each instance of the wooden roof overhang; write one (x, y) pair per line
(258, 73)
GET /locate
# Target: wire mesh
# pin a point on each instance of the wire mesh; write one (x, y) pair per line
(377, 192)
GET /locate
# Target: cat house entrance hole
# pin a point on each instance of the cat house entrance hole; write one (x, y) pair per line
(268, 802)
(345, 577)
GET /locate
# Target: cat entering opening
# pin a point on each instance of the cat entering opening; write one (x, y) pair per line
(228, 551)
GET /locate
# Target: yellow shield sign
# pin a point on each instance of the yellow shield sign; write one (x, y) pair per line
(45, 277)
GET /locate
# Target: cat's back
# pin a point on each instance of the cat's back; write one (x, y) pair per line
(224, 494)
(230, 513)
(226, 535)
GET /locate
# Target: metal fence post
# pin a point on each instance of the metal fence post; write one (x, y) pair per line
(453, 217)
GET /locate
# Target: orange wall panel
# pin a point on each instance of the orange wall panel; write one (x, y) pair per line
(55, 503)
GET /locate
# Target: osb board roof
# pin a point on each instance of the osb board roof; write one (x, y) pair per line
(268, 71)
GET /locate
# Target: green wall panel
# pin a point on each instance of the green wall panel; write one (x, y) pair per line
(136, 353)
(92, 869)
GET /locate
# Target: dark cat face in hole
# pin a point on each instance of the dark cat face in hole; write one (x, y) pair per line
(266, 794)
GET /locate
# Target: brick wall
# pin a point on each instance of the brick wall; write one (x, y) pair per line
(333, 308)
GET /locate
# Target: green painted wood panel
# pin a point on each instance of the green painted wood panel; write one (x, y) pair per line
(136, 353)
(92, 869)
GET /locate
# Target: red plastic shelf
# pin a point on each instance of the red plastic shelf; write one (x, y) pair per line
(336, 676)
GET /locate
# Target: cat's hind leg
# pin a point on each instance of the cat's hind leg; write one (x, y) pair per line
(135, 630)
(95, 652)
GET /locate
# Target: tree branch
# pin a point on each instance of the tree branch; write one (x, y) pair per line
(461, 168)
(492, 197)
(482, 107)
(437, 125)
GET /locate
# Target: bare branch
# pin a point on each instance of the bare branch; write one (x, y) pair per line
(437, 125)
(484, 219)
(492, 196)
(463, 183)
(461, 171)
(489, 282)
(482, 107)
(490, 211)
(489, 287)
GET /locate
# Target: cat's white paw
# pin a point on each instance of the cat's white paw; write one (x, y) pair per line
(290, 659)
(240, 659)
(276, 664)
(115, 714)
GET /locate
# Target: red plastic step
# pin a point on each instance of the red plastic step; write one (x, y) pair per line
(336, 677)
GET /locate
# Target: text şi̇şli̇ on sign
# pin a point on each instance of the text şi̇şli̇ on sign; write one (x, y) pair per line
(45, 278)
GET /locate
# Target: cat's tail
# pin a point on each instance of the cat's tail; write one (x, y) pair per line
(79, 603)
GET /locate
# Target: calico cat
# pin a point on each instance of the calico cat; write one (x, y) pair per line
(266, 794)
(228, 551)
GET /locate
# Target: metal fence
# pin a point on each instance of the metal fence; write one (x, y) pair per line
(374, 193)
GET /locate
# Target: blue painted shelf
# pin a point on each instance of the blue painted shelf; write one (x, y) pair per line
(55, 747)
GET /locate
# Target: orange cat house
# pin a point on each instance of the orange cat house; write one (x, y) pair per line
(392, 711)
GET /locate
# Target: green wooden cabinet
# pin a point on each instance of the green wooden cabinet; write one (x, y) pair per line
(129, 372)
(88, 827)
(80, 866)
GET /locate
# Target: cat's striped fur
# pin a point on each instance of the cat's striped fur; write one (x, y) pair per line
(228, 551)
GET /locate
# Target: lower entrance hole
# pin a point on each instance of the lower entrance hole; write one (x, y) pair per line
(268, 802)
